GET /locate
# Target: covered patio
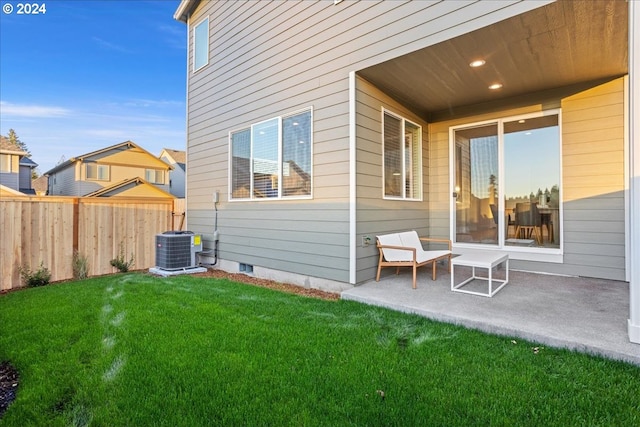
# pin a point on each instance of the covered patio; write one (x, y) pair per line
(583, 314)
(546, 54)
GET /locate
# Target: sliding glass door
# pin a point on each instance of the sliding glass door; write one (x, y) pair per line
(532, 181)
(506, 182)
(476, 183)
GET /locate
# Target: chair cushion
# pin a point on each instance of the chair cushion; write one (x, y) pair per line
(408, 239)
(393, 254)
(429, 255)
(411, 239)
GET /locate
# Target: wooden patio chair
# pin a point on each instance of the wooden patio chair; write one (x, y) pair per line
(405, 250)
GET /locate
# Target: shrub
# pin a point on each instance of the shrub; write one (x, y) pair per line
(80, 266)
(40, 277)
(120, 263)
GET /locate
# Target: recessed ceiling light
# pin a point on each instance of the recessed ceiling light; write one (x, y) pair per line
(521, 121)
(477, 63)
(495, 86)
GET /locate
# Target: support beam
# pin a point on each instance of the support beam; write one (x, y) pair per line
(634, 171)
(353, 262)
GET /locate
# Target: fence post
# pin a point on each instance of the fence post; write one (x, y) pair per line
(76, 222)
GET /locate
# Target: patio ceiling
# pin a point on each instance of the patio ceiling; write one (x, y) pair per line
(562, 44)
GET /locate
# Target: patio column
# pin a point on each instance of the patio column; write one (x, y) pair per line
(634, 171)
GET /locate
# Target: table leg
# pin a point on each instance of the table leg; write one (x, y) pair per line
(490, 277)
(506, 277)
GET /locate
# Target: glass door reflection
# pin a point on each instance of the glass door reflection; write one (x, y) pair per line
(531, 181)
(476, 184)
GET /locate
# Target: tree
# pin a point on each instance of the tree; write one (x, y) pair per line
(13, 137)
(493, 190)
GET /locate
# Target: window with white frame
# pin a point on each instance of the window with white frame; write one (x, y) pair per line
(201, 44)
(7, 163)
(154, 176)
(402, 159)
(96, 172)
(272, 159)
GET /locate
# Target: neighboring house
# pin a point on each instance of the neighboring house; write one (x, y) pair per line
(132, 187)
(15, 167)
(40, 185)
(26, 168)
(107, 171)
(415, 115)
(177, 159)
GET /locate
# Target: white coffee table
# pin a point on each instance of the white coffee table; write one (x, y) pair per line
(488, 260)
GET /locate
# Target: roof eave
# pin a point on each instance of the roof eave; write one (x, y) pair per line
(184, 10)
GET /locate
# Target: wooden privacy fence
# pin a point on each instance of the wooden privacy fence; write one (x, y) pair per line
(48, 230)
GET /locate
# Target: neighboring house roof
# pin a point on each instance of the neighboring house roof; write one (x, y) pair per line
(179, 157)
(6, 191)
(40, 184)
(9, 147)
(25, 161)
(72, 160)
(132, 187)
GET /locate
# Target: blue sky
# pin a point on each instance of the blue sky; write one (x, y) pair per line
(88, 74)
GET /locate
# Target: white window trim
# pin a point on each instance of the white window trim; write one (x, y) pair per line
(9, 162)
(156, 173)
(420, 175)
(98, 166)
(280, 197)
(552, 255)
(205, 19)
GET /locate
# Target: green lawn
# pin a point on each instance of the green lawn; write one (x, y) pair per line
(137, 350)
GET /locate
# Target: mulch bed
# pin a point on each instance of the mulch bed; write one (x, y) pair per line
(9, 376)
(8, 385)
(283, 287)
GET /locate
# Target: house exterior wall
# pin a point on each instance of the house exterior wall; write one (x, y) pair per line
(72, 181)
(267, 59)
(64, 182)
(176, 176)
(25, 177)
(177, 182)
(10, 178)
(120, 173)
(130, 156)
(592, 179)
(374, 214)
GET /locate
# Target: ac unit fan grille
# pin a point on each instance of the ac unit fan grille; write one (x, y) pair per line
(175, 251)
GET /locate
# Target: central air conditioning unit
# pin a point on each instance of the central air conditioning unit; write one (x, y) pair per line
(176, 250)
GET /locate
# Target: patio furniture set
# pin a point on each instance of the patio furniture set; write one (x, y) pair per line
(405, 250)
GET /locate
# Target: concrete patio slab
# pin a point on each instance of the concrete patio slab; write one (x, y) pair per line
(582, 314)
